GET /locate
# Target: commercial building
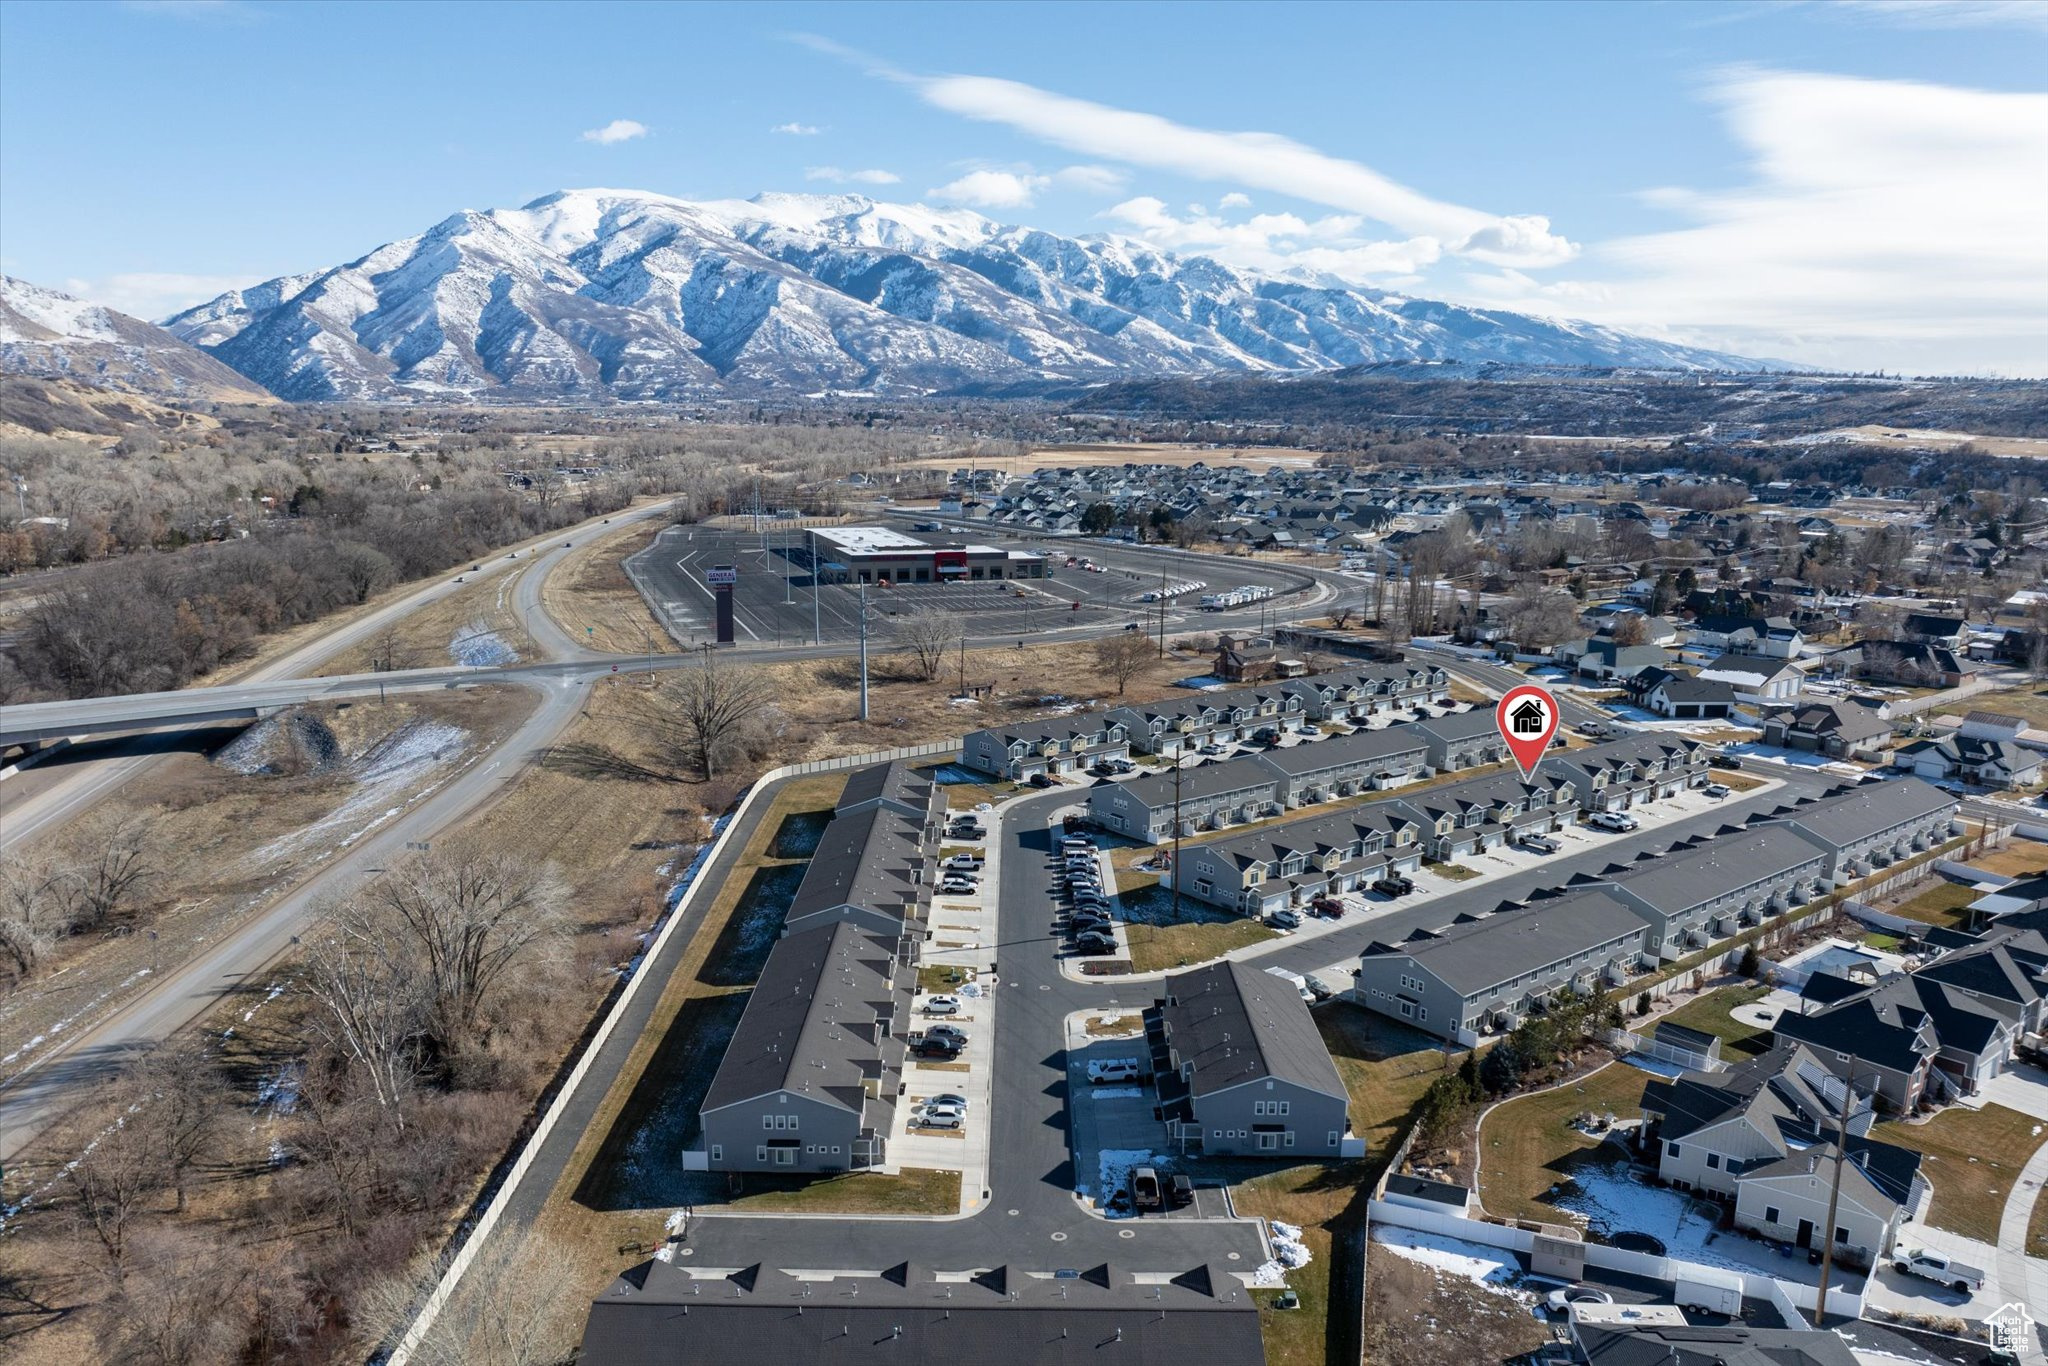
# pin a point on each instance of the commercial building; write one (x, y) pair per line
(1487, 974)
(872, 554)
(1241, 1068)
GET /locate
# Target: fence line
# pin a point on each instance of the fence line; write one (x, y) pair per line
(478, 1228)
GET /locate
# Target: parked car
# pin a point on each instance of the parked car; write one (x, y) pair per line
(1087, 924)
(1044, 780)
(967, 830)
(1077, 842)
(933, 1112)
(959, 886)
(935, 1048)
(1393, 884)
(1934, 1266)
(1092, 943)
(1284, 919)
(942, 1005)
(1592, 730)
(932, 1121)
(1105, 1071)
(1308, 728)
(1725, 761)
(1558, 1300)
(1213, 750)
(970, 863)
(947, 1034)
(1542, 844)
(950, 1099)
(1328, 907)
(1122, 766)
(1717, 790)
(1145, 1193)
(1614, 820)
(1180, 1191)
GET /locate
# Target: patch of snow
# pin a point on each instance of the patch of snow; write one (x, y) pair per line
(475, 647)
(1612, 1199)
(1473, 1261)
(1115, 1092)
(393, 769)
(1268, 1274)
(74, 1017)
(1113, 1169)
(279, 1094)
(1288, 1249)
(1200, 682)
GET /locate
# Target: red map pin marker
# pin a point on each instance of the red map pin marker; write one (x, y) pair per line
(1527, 718)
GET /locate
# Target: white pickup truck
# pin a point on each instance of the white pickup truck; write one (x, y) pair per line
(1933, 1266)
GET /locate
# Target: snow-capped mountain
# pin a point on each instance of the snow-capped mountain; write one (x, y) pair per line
(594, 293)
(50, 335)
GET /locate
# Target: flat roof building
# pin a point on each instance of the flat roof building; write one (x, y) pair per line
(874, 554)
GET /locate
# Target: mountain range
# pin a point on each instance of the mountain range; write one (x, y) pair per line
(52, 336)
(595, 294)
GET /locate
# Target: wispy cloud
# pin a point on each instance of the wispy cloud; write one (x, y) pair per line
(1234, 200)
(797, 130)
(1265, 160)
(618, 130)
(196, 11)
(155, 295)
(834, 175)
(1950, 13)
(1889, 223)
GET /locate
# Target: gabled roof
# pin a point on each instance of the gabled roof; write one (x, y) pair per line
(1482, 953)
(873, 858)
(1845, 818)
(1238, 1024)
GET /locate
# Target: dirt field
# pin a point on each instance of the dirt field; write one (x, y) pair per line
(1417, 1315)
(223, 843)
(1874, 434)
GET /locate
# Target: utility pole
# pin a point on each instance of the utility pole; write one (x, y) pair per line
(1162, 614)
(817, 636)
(1176, 838)
(787, 587)
(963, 661)
(1827, 1256)
(863, 652)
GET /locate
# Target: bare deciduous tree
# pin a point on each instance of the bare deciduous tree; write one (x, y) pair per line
(506, 1309)
(372, 1001)
(1121, 656)
(184, 1301)
(1538, 618)
(709, 711)
(33, 913)
(112, 864)
(927, 634)
(180, 1102)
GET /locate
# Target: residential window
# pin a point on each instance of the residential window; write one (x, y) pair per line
(1841, 1235)
(1770, 1214)
(1408, 1009)
(718, 1152)
(1714, 1161)
(785, 1157)
(1670, 1150)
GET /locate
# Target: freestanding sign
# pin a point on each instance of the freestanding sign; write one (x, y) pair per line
(722, 577)
(1527, 718)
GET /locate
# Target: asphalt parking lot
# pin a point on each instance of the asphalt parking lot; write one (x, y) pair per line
(1116, 1127)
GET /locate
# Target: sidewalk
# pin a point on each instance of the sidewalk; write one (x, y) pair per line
(2022, 1279)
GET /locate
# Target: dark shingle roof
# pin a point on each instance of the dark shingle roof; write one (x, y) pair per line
(1236, 1024)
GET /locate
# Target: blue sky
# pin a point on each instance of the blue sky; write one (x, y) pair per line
(1861, 185)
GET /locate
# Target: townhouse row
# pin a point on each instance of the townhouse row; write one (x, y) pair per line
(1179, 726)
(810, 1079)
(1292, 863)
(1487, 973)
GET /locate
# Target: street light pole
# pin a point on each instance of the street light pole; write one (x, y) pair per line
(1176, 838)
(863, 652)
(817, 635)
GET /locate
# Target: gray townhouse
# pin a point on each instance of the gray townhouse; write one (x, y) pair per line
(1354, 695)
(1213, 796)
(1484, 975)
(1290, 864)
(1632, 771)
(1743, 1136)
(1241, 1068)
(1346, 765)
(899, 787)
(1059, 747)
(1708, 889)
(1175, 727)
(872, 867)
(1463, 740)
(1875, 823)
(1483, 813)
(808, 1082)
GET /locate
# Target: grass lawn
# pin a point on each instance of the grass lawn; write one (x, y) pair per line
(915, 1190)
(1526, 1145)
(1942, 904)
(1957, 1148)
(1712, 1013)
(1736, 782)
(2037, 1228)
(1161, 940)
(2032, 703)
(2020, 858)
(1878, 939)
(1450, 872)
(942, 977)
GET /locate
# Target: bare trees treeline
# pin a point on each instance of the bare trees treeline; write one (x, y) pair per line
(101, 873)
(403, 1064)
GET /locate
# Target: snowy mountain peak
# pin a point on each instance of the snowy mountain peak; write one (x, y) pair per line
(50, 335)
(592, 293)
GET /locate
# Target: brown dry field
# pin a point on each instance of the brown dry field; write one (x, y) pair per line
(1878, 435)
(421, 640)
(1417, 1315)
(224, 851)
(590, 597)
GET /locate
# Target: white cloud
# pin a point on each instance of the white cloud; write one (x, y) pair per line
(1097, 179)
(1266, 160)
(1234, 200)
(152, 295)
(992, 189)
(834, 175)
(798, 130)
(1886, 223)
(618, 130)
(1279, 242)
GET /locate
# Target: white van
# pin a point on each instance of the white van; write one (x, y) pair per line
(1103, 1071)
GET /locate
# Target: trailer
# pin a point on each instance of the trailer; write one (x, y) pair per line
(1705, 1297)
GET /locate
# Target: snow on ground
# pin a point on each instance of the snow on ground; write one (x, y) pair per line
(279, 1094)
(1613, 1200)
(1473, 1261)
(1288, 1249)
(73, 1018)
(1113, 1169)
(1115, 1092)
(1202, 682)
(390, 772)
(477, 647)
